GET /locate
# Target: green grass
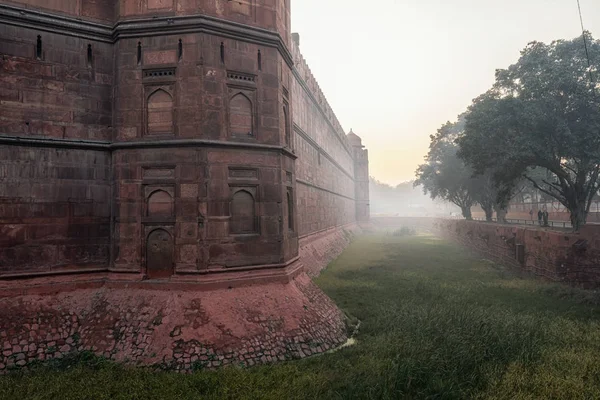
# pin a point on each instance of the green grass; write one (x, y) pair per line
(435, 323)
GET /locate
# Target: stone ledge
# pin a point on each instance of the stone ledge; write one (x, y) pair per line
(138, 144)
(75, 280)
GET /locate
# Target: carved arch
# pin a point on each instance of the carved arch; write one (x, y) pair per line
(159, 112)
(241, 115)
(159, 204)
(243, 213)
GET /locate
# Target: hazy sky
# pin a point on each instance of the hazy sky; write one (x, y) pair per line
(395, 70)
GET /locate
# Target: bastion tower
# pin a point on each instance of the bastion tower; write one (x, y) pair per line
(152, 145)
(163, 125)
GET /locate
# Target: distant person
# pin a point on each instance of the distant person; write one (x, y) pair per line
(540, 216)
(545, 216)
(531, 214)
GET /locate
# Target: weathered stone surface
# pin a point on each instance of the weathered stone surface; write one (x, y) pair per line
(175, 329)
(572, 258)
(175, 155)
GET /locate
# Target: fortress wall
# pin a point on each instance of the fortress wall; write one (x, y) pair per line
(93, 10)
(325, 164)
(186, 167)
(54, 209)
(54, 202)
(170, 326)
(58, 95)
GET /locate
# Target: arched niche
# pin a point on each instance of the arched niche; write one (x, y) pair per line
(159, 204)
(240, 115)
(243, 213)
(159, 108)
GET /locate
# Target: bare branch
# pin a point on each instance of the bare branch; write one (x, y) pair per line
(562, 200)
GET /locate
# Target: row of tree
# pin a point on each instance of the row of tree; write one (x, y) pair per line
(538, 126)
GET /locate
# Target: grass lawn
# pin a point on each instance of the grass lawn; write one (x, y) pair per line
(436, 323)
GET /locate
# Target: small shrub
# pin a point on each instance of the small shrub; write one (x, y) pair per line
(404, 231)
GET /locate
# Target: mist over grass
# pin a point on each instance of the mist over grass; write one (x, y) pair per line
(435, 323)
(405, 200)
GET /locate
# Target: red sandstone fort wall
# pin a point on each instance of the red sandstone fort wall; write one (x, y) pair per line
(265, 14)
(54, 209)
(99, 10)
(56, 95)
(54, 202)
(325, 168)
(157, 145)
(194, 118)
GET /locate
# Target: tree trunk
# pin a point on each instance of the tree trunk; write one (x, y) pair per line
(501, 214)
(466, 212)
(578, 215)
(489, 213)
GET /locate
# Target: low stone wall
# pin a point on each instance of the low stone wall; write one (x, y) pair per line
(572, 258)
(593, 217)
(177, 326)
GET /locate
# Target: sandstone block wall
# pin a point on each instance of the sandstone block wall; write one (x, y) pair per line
(167, 326)
(572, 258)
(54, 209)
(58, 94)
(167, 142)
(325, 168)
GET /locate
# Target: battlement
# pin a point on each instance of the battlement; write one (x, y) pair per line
(305, 74)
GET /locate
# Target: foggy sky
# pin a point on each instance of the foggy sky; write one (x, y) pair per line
(395, 70)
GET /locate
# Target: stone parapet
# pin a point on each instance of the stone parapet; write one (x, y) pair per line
(559, 256)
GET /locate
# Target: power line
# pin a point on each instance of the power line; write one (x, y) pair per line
(587, 53)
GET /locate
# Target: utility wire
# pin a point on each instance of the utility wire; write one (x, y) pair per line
(587, 53)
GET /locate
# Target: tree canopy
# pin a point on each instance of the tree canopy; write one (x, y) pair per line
(542, 113)
(444, 175)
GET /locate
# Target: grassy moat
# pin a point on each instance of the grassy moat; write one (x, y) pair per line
(435, 323)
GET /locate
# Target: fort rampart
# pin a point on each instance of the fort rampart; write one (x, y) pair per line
(167, 149)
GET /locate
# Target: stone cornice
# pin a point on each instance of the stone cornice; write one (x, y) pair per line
(138, 144)
(312, 185)
(165, 25)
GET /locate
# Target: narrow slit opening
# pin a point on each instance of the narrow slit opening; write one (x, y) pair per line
(38, 48)
(89, 56)
(259, 61)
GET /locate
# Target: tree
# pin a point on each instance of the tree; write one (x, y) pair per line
(444, 175)
(485, 194)
(543, 112)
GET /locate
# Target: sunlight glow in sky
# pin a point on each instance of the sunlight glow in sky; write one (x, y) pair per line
(395, 70)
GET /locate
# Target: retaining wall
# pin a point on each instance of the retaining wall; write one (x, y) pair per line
(560, 256)
(177, 326)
